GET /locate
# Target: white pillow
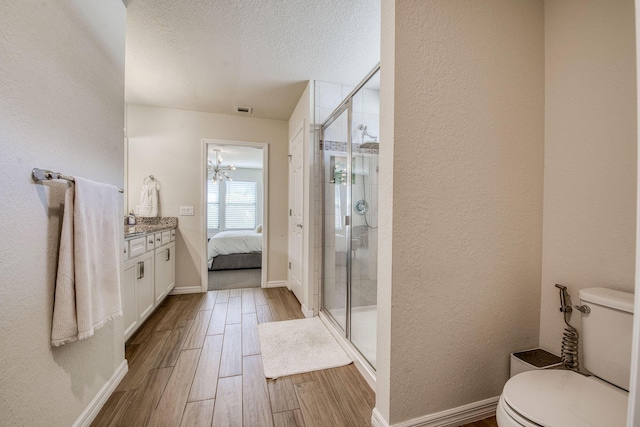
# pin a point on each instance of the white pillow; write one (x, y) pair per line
(259, 229)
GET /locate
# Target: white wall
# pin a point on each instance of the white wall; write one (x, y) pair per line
(61, 108)
(590, 153)
(464, 126)
(167, 143)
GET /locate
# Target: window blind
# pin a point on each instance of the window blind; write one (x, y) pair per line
(240, 205)
(213, 205)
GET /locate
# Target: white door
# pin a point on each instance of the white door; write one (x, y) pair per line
(296, 227)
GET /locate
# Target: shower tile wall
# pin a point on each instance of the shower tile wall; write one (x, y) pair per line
(366, 106)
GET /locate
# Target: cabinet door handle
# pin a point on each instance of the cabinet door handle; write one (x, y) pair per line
(140, 269)
(168, 254)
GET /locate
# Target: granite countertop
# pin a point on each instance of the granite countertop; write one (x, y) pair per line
(149, 225)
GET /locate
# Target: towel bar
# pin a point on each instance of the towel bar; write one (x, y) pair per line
(38, 174)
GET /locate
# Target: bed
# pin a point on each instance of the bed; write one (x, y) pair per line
(235, 249)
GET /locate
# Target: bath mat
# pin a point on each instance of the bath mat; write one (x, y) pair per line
(297, 346)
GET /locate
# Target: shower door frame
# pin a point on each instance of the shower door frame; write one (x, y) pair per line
(346, 104)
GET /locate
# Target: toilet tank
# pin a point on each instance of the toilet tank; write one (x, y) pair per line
(606, 334)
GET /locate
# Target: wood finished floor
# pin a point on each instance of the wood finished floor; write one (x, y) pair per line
(489, 422)
(196, 362)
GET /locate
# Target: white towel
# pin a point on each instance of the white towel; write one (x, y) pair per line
(88, 281)
(148, 206)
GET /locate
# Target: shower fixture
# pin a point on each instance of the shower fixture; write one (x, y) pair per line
(217, 171)
(361, 207)
(370, 144)
(570, 337)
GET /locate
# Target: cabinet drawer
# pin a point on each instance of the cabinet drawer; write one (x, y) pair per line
(126, 250)
(166, 237)
(137, 246)
(151, 242)
(173, 234)
(158, 239)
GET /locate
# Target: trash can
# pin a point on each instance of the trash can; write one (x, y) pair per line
(534, 359)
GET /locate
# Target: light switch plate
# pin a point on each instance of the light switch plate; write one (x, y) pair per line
(186, 210)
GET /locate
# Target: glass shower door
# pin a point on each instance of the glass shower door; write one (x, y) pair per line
(364, 219)
(349, 139)
(364, 253)
(336, 176)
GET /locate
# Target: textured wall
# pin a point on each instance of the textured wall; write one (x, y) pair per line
(467, 200)
(62, 108)
(167, 143)
(385, 212)
(590, 153)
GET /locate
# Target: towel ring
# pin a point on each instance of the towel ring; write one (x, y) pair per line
(150, 177)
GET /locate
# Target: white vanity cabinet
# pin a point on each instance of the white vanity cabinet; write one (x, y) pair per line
(137, 292)
(165, 270)
(148, 277)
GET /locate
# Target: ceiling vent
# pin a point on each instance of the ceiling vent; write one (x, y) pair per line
(244, 110)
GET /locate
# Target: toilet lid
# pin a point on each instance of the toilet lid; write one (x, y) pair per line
(566, 399)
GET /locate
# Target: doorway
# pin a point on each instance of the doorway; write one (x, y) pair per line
(234, 220)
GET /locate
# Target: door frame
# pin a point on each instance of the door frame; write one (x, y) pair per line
(204, 275)
(346, 105)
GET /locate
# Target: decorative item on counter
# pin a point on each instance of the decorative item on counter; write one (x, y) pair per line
(131, 219)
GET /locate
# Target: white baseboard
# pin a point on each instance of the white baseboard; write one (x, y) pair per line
(305, 311)
(277, 284)
(96, 404)
(378, 420)
(450, 418)
(186, 290)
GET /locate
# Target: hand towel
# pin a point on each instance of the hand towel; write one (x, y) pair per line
(148, 206)
(88, 280)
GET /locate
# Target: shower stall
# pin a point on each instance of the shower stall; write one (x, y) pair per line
(349, 144)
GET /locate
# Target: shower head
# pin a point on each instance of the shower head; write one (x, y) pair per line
(363, 129)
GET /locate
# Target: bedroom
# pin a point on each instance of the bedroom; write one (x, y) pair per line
(234, 215)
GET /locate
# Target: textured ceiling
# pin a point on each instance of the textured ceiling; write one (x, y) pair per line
(214, 55)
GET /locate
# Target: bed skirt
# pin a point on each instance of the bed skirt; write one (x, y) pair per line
(237, 261)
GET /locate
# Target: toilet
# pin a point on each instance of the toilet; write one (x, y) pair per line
(563, 398)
